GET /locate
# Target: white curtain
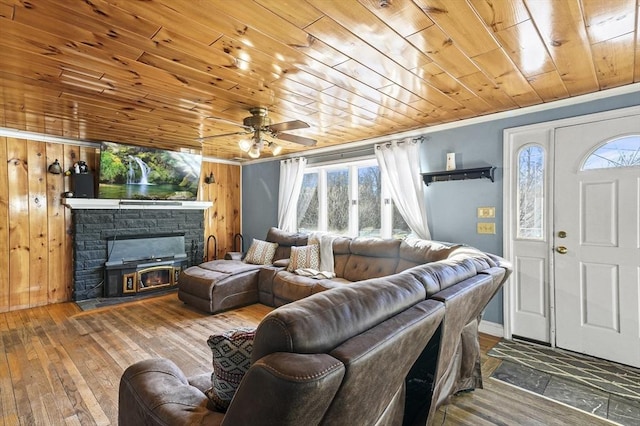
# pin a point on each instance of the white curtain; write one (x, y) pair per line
(399, 164)
(291, 174)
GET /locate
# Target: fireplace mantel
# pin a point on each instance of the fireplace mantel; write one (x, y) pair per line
(105, 204)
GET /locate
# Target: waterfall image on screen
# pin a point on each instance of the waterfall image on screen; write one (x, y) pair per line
(133, 172)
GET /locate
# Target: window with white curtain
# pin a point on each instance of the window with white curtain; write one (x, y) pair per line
(349, 199)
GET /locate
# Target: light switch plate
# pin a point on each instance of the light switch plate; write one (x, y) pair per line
(486, 228)
(486, 212)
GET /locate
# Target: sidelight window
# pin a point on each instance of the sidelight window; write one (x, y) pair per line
(530, 198)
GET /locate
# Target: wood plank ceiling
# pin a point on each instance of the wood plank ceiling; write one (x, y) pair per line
(154, 72)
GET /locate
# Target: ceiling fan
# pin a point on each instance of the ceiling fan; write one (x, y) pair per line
(260, 125)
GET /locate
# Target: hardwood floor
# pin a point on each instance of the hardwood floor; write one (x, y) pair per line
(62, 366)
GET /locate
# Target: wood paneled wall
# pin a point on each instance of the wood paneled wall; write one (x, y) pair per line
(35, 239)
(223, 219)
(36, 247)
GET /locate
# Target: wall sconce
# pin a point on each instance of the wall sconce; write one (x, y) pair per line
(210, 179)
(55, 168)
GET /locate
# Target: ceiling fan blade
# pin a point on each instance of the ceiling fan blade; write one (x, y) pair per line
(224, 120)
(288, 125)
(222, 135)
(297, 139)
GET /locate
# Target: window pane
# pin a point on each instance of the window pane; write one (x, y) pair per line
(308, 203)
(338, 201)
(369, 198)
(622, 152)
(400, 228)
(531, 193)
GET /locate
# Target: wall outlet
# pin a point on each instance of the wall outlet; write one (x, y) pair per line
(486, 228)
(486, 212)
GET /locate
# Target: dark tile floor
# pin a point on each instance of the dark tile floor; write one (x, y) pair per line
(605, 389)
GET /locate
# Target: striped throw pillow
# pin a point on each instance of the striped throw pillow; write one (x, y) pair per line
(261, 252)
(304, 257)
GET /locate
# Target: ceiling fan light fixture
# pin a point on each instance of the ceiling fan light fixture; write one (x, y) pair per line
(275, 148)
(254, 152)
(245, 144)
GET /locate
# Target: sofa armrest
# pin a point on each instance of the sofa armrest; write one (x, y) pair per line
(156, 392)
(309, 382)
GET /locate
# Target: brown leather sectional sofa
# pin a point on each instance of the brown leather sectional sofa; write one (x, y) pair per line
(386, 342)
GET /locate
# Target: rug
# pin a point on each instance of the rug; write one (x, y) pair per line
(600, 387)
(600, 374)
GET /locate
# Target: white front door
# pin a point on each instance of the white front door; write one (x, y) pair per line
(596, 242)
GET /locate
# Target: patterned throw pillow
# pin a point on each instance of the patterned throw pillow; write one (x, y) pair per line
(231, 360)
(261, 252)
(304, 257)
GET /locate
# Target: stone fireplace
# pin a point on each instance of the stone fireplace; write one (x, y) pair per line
(143, 263)
(177, 241)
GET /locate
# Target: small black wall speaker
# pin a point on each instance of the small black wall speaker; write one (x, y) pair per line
(82, 185)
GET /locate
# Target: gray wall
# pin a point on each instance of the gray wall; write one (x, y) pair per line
(260, 183)
(451, 206)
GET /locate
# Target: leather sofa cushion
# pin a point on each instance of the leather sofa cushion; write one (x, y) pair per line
(341, 253)
(414, 252)
(224, 267)
(437, 276)
(324, 320)
(375, 247)
(285, 241)
(371, 258)
(288, 286)
(363, 267)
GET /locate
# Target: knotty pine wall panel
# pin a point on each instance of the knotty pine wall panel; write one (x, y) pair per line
(4, 227)
(17, 171)
(38, 230)
(35, 227)
(58, 222)
(222, 219)
(36, 247)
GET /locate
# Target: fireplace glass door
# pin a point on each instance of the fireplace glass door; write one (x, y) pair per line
(154, 278)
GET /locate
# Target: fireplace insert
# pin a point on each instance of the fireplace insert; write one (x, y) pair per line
(143, 263)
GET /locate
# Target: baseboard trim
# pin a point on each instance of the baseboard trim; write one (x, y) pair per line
(491, 328)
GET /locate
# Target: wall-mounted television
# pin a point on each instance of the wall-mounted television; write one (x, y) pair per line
(140, 173)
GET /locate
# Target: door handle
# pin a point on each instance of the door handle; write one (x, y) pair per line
(562, 250)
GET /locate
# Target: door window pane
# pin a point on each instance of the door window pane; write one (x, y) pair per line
(308, 203)
(338, 201)
(622, 152)
(531, 193)
(369, 202)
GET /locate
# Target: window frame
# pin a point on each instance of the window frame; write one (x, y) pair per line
(386, 204)
(585, 166)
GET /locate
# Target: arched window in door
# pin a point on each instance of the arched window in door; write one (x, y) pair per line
(530, 197)
(619, 152)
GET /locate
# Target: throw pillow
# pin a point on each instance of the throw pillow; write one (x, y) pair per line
(231, 360)
(304, 257)
(261, 252)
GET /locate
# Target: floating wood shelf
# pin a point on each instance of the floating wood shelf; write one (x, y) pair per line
(462, 174)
